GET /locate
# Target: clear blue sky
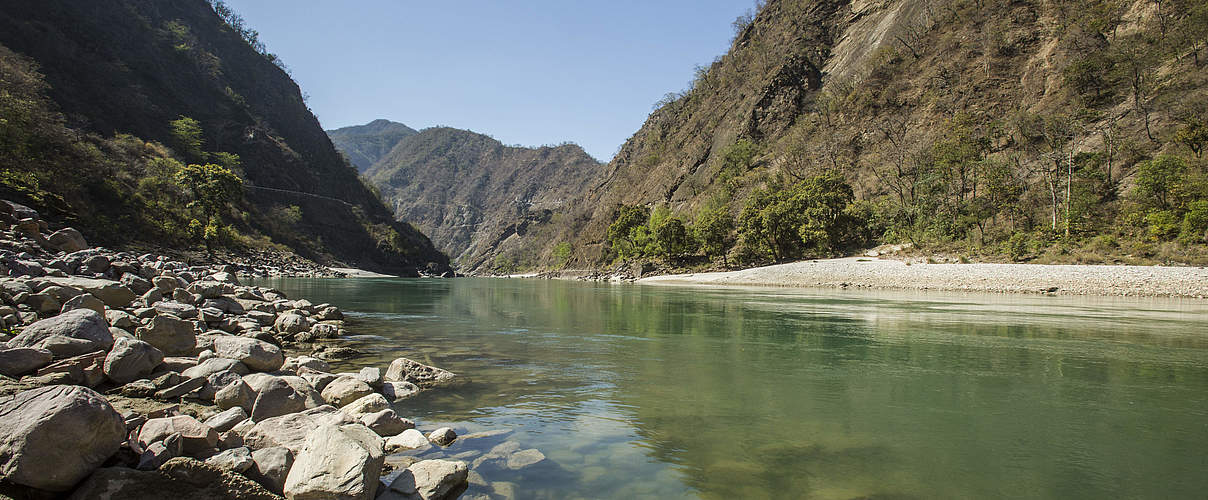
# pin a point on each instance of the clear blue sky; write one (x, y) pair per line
(526, 72)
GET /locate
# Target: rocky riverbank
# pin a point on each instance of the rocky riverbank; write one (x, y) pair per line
(137, 376)
(876, 273)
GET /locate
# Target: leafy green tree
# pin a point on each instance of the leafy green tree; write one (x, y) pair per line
(811, 215)
(625, 228)
(1157, 181)
(187, 138)
(714, 230)
(672, 237)
(1195, 136)
(562, 253)
(213, 187)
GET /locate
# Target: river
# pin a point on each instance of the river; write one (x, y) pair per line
(641, 391)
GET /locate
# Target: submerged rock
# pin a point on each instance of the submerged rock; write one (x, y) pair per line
(406, 370)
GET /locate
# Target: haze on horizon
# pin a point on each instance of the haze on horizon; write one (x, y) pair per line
(543, 72)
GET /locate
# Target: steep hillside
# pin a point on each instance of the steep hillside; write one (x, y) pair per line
(364, 145)
(127, 71)
(477, 198)
(1025, 130)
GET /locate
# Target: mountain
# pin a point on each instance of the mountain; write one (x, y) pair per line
(365, 144)
(479, 199)
(129, 91)
(1044, 130)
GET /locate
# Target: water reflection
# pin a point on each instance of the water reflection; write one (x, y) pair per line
(636, 391)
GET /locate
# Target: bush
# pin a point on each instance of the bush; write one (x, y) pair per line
(1194, 228)
(1016, 247)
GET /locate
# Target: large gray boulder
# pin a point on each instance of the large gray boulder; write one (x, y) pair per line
(54, 436)
(215, 365)
(68, 240)
(337, 462)
(112, 293)
(195, 436)
(84, 301)
(258, 355)
(344, 390)
(270, 467)
(406, 370)
(432, 480)
(19, 361)
(84, 324)
(172, 335)
(277, 398)
(130, 360)
(291, 430)
(290, 323)
(178, 309)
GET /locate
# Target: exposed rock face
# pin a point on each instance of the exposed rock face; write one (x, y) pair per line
(52, 437)
(364, 145)
(337, 462)
(84, 324)
(406, 370)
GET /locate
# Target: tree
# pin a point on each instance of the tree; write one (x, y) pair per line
(810, 215)
(1195, 136)
(213, 186)
(186, 137)
(622, 231)
(714, 229)
(672, 237)
(1157, 181)
(562, 253)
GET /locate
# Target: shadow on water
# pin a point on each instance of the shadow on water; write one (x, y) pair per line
(637, 391)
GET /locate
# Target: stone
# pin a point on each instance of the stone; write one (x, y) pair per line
(312, 398)
(165, 283)
(344, 390)
(68, 240)
(112, 293)
(294, 364)
(318, 380)
(235, 395)
(371, 376)
(276, 398)
(121, 319)
(443, 436)
(53, 437)
(225, 420)
(42, 304)
(136, 284)
(410, 439)
(386, 423)
(369, 403)
(290, 323)
(180, 478)
(433, 479)
(18, 361)
(270, 467)
(211, 314)
(291, 430)
(257, 355)
(160, 452)
(396, 391)
(262, 318)
(178, 309)
(84, 301)
(524, 458)
(130, 360)
(86, 369)
(324, 331)
(67, 347)
(337, 462)
(210, 289)
(95, 264)
(215, 365)
(235, 459)
(406, 370)
(84, 324)
(329, 313)
(179, 390)
(178, 364)
(195, 436)
(172, 335)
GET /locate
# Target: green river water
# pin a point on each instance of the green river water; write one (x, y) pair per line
(637, 391)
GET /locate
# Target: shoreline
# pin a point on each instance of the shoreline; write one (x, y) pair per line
(890, 274)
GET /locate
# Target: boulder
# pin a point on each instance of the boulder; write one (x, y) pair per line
(235, 395)
(170, 334)
(18, 361)
(432, 479)
(68, 240)
(121, 319)
(395, 391)
(182, 388)
(290, 323)
(67, 347)
(84, 301)
(312, 398)
(443, 436)
(257, 355)
(223, 421)
(52, 437)
(112, 293)
(277, 398)
(270, 467)
(337, 462)
(130, 360)
(329, 313)
(524, 458)
(371, 376)
(179, 479)
(318, 380)
(210, 289)
(369, 403)
(235, 459)
(291, 430)
(294, 364)
(409, 439)
(84, 324)
(159, 452)
(195, 436)
(386, 423)
(178, 309)
(215, 365)
(406, 370)
(43, 304)
(344, 390)
(87, 369)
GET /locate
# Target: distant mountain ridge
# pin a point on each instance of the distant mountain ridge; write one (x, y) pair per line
(364, 145)
(477, 198)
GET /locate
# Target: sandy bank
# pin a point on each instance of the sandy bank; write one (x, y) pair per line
(865, 272)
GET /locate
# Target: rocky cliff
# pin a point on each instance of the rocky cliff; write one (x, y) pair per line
(117, 68)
